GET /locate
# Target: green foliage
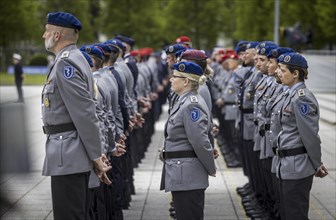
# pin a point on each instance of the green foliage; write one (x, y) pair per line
(136, 18)
(38, 60)
(19, 21)
(326, 20)
(199, 20)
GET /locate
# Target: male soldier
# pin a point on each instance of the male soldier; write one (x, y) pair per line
(18, 74)
(73, 138)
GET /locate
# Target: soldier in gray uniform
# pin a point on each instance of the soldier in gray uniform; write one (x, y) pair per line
(188, 153)
(73, 143)
(230, 108)
(299, 145)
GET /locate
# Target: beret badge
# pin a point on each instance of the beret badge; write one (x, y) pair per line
(287, 58)
(274, 53)
(262, 51)
(88, 49)
(181, 67)
(171, 49)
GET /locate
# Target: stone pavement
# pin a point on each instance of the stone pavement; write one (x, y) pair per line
(29, 193)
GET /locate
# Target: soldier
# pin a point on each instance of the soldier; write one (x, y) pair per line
(230, 108)
(187, 154)
(184, 40)
(18, 75)
(69, 87)
(299, 145)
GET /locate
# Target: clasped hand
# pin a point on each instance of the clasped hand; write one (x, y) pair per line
(101, 166)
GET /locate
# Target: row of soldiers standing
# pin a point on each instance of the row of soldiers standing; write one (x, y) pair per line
(129, 96)
(249, 100)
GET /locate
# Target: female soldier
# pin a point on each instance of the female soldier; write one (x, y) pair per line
(187, 154)
(299, 145)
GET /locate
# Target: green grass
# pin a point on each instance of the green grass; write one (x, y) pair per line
(8, 79)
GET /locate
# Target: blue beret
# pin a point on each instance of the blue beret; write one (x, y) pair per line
(241, 46)
(188, 67)
(106, 48)
(116, 43)
(266, 49)
(64, 19)
(267, 43)
(94, 51)
(252, 44)
(127, 40)
(88, 58)
(176, 49)
(275, 53)
(293, 59)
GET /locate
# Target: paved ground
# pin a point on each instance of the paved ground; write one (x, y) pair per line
(29, 193)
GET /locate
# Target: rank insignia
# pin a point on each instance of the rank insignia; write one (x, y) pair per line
(193, 99)
(195, 115)
(68, 72)
(301, 92)
(65, 54)
(46, 102)
(304, 108)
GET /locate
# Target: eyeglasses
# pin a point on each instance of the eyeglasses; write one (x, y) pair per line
(182, 77)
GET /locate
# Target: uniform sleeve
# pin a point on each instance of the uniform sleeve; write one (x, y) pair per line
(73, 87)
(196, 126)
(307, 116)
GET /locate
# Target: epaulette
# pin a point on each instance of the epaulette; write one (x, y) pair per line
(193, 99)
(65, 54)
(301, 92)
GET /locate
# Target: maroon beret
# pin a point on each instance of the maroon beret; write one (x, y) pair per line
(194, 55)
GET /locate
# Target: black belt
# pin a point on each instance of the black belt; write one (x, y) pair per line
(267, 127)
(247, 110)
(178, 154)
(54, 129)
(230, 103)
(290, 152)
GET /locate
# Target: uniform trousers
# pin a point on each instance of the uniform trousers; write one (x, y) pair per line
(294, 197)
(18, 83)
(189, 204)
(69, 195)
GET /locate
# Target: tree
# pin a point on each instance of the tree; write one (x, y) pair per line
(200, 20)
(136, 18)
(326, 19)
(254, 20)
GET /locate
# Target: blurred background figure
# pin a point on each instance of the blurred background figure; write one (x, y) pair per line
(295, 37)
(18, 74)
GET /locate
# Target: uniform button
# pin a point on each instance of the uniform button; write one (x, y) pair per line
(178, 162)
(61, 137)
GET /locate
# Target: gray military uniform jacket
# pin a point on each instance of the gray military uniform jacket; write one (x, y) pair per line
(187, 130)
(299, 119)
(67, 97)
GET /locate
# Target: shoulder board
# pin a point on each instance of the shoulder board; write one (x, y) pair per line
(65, 54)
(193, 99)
(301, 92)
